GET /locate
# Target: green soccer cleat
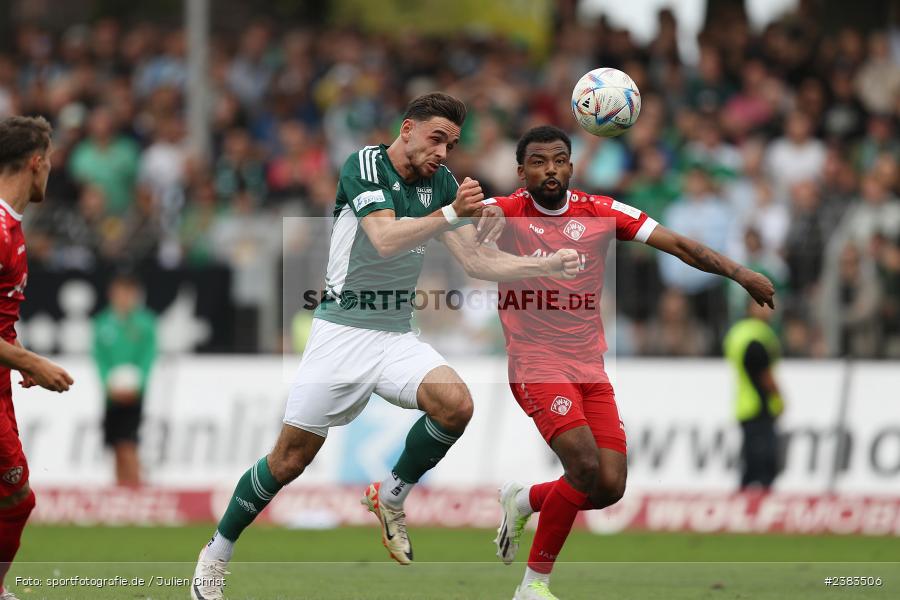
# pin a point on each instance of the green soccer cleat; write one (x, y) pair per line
(536, 590)
(393, 526)
(511, 525)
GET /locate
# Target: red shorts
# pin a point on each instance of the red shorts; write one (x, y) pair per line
(13, 467)
(558, 406)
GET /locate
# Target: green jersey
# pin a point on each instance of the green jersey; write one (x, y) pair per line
(363, 289)
(125, 340)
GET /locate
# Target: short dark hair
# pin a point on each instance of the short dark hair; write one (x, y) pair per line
(543, 133)
(436, 104)
(20, 138)
(125, 277)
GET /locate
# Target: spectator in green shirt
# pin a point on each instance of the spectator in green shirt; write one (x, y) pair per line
(653, 189)
(107, 160)
(124, 350)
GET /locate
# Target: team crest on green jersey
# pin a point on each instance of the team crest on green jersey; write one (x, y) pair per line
(424, 196)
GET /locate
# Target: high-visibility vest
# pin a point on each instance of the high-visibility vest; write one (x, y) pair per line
(737, 340)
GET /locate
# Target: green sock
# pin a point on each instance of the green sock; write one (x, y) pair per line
(426, 444)
(253, 492)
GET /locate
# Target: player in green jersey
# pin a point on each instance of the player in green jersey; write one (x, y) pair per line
(390, 201)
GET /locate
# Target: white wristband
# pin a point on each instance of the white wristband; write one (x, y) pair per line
(450, 214)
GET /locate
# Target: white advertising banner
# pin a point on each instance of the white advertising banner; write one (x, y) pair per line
(208, 418)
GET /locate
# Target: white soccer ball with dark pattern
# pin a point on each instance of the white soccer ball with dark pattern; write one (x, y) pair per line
(606, 102)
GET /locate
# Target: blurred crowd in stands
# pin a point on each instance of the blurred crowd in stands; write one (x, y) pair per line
(778, 147)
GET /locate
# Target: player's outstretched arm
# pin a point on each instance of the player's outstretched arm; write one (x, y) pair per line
(706, 259)
(491, 264)
(36, 370)
(391, 236)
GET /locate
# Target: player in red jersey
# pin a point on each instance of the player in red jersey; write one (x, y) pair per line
(555, 341)
(24, 167)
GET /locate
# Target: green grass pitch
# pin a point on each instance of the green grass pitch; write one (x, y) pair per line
(350, 564)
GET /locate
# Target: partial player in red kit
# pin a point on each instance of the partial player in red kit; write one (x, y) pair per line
(555, 341)
(24, 167)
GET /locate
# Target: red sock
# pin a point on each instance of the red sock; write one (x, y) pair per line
(558, 511)
(538, 493)
(12, 522)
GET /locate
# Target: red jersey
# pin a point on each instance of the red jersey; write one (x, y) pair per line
(562, 317)
(13, 270)
(13, 274)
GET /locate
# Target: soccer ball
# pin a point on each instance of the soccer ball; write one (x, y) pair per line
(606, 102)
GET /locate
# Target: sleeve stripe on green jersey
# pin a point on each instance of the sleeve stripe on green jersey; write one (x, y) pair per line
(367, 168)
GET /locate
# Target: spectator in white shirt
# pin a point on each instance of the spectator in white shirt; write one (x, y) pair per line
(797, 156)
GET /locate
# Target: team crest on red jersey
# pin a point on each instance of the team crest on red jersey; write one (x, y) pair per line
(561, 405)
(574, 230)
(13, 476)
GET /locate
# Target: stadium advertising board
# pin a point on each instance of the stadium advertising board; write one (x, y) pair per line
(208, 418)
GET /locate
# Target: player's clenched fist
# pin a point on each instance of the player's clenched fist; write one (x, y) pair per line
(564, 264)
(468, 198)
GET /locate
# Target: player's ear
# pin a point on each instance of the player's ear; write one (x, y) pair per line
(521, 170)
(406, 129)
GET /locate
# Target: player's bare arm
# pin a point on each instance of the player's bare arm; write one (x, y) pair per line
(34, 368)
(391, 236)
(27, 380)
(706, 259)
(491, 264)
